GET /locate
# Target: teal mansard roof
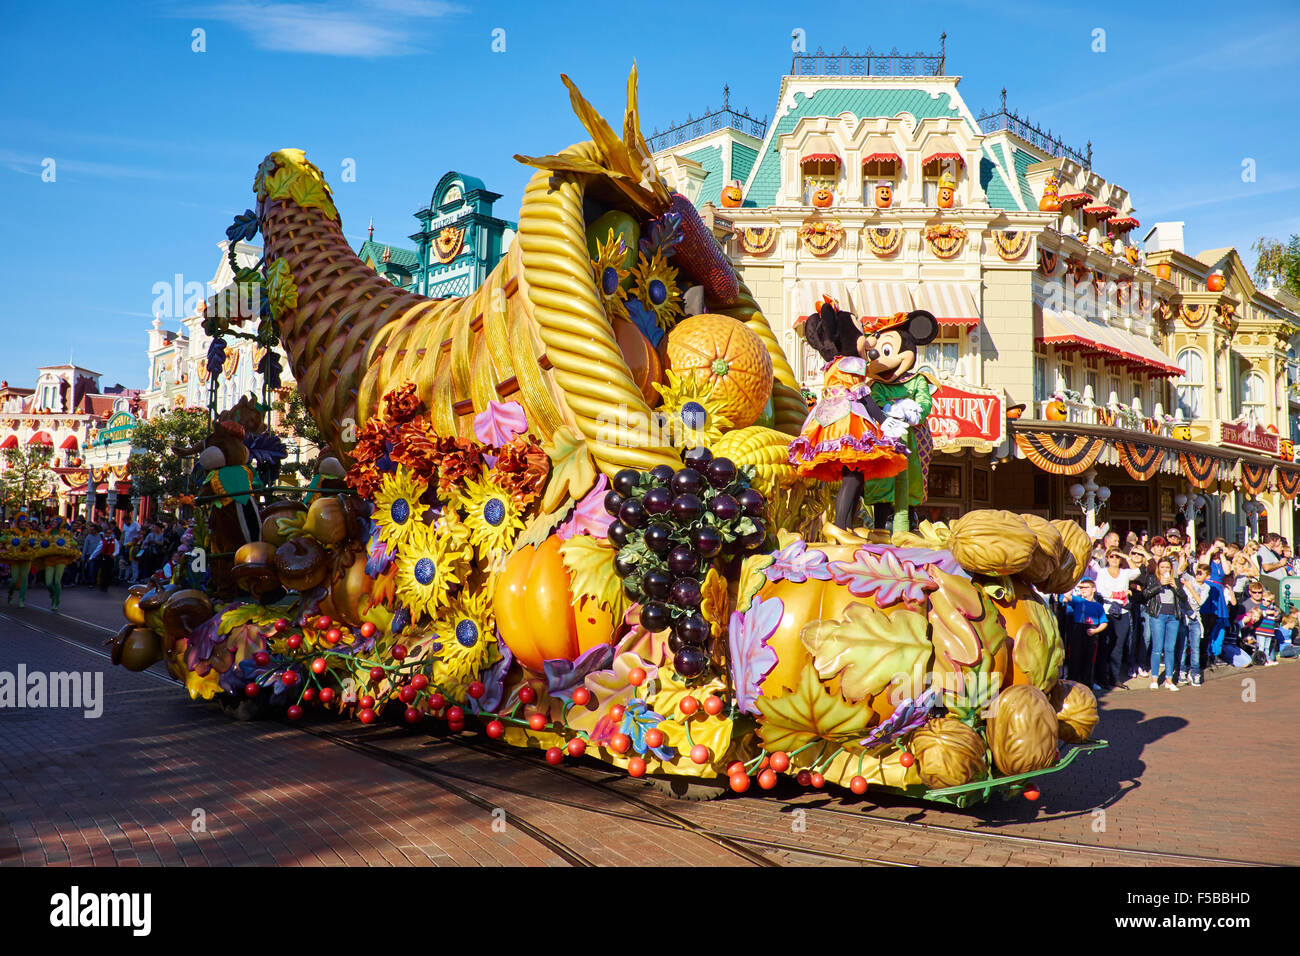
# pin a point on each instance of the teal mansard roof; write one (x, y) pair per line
(922, 104)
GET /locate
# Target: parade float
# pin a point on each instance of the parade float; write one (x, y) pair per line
(562, 511)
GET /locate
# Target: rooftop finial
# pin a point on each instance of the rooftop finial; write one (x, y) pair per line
(371, 234)
(726, 96)
(1004, 99)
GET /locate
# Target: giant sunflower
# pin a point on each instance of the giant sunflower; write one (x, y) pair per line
(654, 282)
(398, 510)
(607, 269)
(491, 514)
(689, 413)
(467, 635)
(430, 563)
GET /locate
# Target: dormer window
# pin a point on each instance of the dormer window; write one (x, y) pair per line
(881, 170)
(819, 169)
(941, 171)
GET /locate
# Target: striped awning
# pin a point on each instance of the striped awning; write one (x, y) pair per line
(1067, 330)
(1064, 330)
(941, 148)
(819, 149)
(808, 295)
(952, 303)
(877, 299)
(1101, 211)
(1124, 222)
(880, 149)
(1075, 199)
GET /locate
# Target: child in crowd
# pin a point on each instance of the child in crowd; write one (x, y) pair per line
(1197, 586)
(1286, 634)
(1266, 631)
(1087, 619)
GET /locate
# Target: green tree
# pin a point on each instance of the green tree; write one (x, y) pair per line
(156, 469)
(27, 477)
(297, 424)
(1280, 261)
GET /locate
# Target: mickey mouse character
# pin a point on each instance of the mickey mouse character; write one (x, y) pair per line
(847, 437)
(889, 346)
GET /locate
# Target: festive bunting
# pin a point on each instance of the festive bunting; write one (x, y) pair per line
(1140, 461)
(1058, 453)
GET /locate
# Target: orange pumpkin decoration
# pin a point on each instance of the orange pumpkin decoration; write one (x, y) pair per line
(884, 195)
(1162, 270)
(1056, 411)
(535, 613)
(808, 601)
(1216, 282)
(641, 358)
(731, 195)
(726, 355)
(823, 198)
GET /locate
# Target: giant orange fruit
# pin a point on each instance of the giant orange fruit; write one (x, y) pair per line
(535, 613)
(726, 355)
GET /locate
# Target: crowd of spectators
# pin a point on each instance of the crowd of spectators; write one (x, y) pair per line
(1160, 609)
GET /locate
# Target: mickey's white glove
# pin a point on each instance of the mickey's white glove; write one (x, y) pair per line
(906, 409)
(894, 428)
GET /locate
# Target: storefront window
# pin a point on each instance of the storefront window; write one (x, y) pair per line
(1042, 388)
(943, 353)
(1190, 389)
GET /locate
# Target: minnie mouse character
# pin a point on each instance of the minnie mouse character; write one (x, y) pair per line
(847, 437)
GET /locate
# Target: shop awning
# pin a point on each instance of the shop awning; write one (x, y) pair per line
(952, 303)
(41, 438)
(882, 158)
(69, 443)
(878, 299)
(1075, 199)
(11, 441)
(808, 295)
(1145, 354)
(1065, 330)
(820, 150)
(1124, 223)
(1101, 212)
(880, 149)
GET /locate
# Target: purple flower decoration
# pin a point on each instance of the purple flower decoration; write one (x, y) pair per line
(494, 682)
(499, 423)
(589, 515)
(401, 619)
(751, 659)
(563, 677)
(663, 234)
(795, 563)
(378, 558)
(910, 715)
(203, 641)
(637, 719)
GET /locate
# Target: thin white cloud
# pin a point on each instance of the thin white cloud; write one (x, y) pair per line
(373, 28)
(31, 164)
(1240, 196)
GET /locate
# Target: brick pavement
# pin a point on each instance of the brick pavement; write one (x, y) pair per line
(1199, 773)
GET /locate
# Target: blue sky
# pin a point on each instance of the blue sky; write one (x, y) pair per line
(155, 145)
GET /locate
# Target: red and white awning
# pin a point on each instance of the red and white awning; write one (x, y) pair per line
(882, 158)
(951, 303)
(11, 441)
(1124, 222)
(808, 158)
(41, 438)
(878, 299)
(1065, 330)
(1076, 199)
(1101, 211)
(68, 444)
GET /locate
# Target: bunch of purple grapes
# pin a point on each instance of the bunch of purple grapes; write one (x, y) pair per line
(669, 527)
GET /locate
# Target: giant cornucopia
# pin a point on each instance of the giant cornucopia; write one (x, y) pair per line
(561, 510)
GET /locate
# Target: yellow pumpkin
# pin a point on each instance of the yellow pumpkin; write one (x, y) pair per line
(641, 358)
(534, 609)
(726, 355)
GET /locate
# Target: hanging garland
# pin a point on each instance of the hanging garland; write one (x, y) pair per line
(758, 240)
(1140, 461)
(1047, 262)
(1198, 469)
(1288, 482)
(884, 240)
(1254, 478)
(946, 240)
(448, 244)
(821, 238)
(1049, 452)
(1011, 244)
(1194, 316)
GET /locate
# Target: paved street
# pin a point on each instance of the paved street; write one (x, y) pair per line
(1199, 774)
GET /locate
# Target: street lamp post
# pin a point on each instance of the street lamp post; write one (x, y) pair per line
(1090, 498)
(1254, 508)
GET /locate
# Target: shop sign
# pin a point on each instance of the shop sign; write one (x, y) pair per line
(1242, 435)
(965, 416)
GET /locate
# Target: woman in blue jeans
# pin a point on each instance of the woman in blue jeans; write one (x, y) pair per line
(1168, 606)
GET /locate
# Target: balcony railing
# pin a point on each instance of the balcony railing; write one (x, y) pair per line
(871, 63)
(1013, 122)
(1084, 411)
(710, 122)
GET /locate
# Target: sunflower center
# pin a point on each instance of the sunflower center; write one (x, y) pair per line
(693, 415)
(400, 510)
(658, 292)
(609, 280)
(424, 570)
(466, 633)
(494, 512)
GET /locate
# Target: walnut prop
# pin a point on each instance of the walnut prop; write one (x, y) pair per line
(1021, 730)
(1047, 556)
(948, 753)
(993, 543)
(1076, 711)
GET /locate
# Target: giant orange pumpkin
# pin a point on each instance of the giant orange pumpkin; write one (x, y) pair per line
(823, 198)
(731, 196)
(641, 358)
(534, 610)
(727, 356)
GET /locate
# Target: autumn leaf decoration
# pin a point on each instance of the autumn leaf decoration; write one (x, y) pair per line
(590, 563)
(869, 648)
(884, 575)
(809, 713)
(626, 163)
